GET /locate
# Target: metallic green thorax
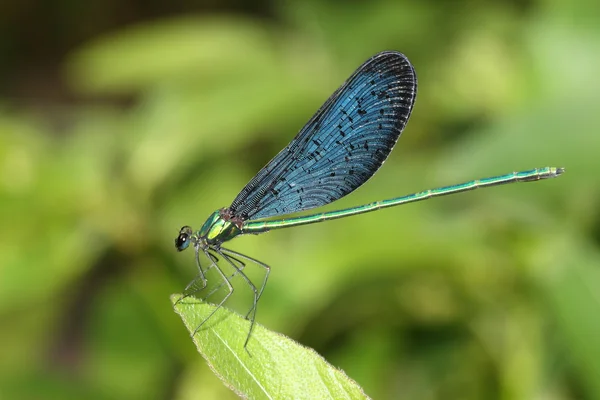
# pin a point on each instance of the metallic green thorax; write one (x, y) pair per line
(219, 228)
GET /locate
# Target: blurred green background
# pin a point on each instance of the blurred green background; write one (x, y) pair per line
(121, 121)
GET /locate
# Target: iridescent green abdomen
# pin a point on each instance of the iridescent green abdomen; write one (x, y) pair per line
(218, 228)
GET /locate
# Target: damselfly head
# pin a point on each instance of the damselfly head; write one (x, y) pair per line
(182, 241)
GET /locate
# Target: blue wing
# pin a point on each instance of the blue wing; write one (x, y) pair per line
(342, 145)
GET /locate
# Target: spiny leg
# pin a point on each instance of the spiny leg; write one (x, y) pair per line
(214, 259)
(241, 267)
(244, 276)
(233, 254)
(229, 286)
(249, 282)
(214, 290)
(200, 277)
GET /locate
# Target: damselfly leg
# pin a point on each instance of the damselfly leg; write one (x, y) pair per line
(191, 287)
(234, 254)
(229, 288)
(216, 289)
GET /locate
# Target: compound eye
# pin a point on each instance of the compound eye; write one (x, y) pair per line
(183, 240)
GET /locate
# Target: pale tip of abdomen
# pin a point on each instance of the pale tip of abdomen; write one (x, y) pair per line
(559, 171)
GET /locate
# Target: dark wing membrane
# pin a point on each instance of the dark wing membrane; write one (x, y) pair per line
(341, 147)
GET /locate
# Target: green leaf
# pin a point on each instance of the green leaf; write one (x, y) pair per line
(273, 367)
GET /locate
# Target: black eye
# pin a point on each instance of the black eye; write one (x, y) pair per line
(183, 240)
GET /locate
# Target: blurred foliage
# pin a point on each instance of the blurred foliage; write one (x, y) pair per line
(491, 294)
